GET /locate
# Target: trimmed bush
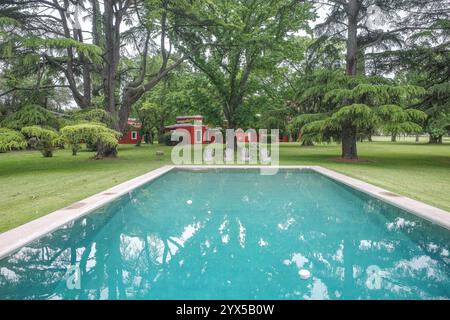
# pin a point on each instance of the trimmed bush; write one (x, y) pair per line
(11, 140)
(104, 138)
(44, 140)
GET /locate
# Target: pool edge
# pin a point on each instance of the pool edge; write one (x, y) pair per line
(20, 236)
(415, 207)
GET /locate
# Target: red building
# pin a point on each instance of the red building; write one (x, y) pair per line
(194, 125)
(132, 134)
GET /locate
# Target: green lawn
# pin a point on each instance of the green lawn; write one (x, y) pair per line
(32, 186)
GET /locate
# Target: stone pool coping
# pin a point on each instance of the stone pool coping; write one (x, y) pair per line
(18, 237)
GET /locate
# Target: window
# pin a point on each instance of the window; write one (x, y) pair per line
(134, 135)
(198, 136)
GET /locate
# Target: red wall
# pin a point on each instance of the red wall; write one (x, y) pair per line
(240, 136)
(127, 138)
(192, 133)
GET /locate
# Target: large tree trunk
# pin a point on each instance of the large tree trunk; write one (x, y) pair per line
(111, 26)
(132, 94)
(352, 8)
(111, 21)
(361, 63)
(349, 143)
(83, 100)
(349, 131)
(86, 72)
(161, 130)
(104, 151)
(394, 137)
(139, 137)
(123, 114)
(97, 26)
(231, 124)
(229, 111)
(435, 140)
(149, 137)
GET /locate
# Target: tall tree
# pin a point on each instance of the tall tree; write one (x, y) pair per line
(25, 75)
(364, 24)
(229, 40)
(153, 24)
(184, 91)
(336, 101)
(424, 60)
(90, 53)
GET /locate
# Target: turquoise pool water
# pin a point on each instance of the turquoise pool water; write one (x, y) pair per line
(234, 234)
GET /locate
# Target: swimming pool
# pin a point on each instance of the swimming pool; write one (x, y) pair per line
(236, 234)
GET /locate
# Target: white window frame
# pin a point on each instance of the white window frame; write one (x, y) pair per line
(134, 135)
(198, 135)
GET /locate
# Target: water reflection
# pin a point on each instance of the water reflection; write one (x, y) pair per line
(252, 245)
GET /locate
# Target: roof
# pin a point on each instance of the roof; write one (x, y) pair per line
(134, 123)
(182, 125)
(196, 117)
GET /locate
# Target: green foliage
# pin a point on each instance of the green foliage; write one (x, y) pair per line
(98, 134)
(95, 115)
(8, 21)
(437, 99)
(275, 117)
(167, 139)
(323, 90)
(11, 140)
(364, 103)
(183, 92)
(30, 115)
(86, 116)
(438, 126)
(416, 115)
(320, 131)
(395, 120)
(358, 115)
(392, 113)
(39, 132)
(230, 41)
(296, 124)
(91, 51)
(313, 132)
(425, 61)
(44, 140)
(375, 94)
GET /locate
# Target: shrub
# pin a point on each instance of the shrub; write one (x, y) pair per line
(41, 139)
(11, 140)
(105, 139)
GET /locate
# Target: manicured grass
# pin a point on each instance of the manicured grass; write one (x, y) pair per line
(32, 186)
(418, 171)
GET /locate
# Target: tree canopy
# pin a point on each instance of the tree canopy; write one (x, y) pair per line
(340, 70)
